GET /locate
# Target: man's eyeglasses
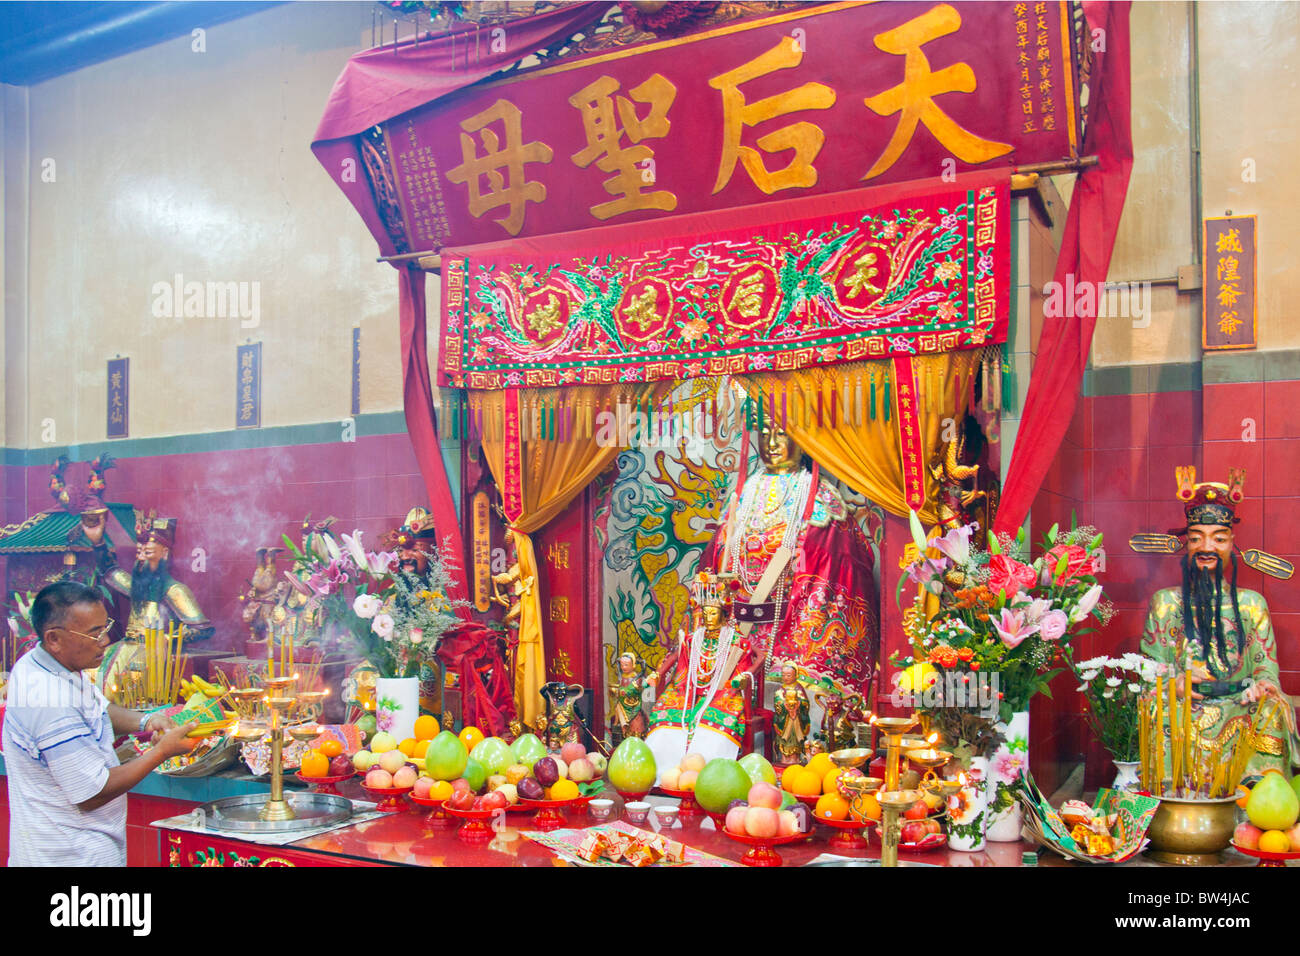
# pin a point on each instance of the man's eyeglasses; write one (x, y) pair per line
(98, 638)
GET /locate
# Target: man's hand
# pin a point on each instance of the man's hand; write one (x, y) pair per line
(1259, 690)
(1199, 676)
(174, 742)
(157, 725)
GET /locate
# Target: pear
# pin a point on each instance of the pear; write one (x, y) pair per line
(1273, 804)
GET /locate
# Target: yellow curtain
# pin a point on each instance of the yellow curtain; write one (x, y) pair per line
(860, 450)
(554, 473)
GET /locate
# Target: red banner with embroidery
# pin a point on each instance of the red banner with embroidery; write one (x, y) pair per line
(914, 271)
(909, 432)
(512, 491)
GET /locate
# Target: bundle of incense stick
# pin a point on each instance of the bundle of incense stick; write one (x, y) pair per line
(164, 665)
(1198, 770)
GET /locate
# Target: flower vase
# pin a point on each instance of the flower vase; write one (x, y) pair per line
(1005, 768)
(968, 808)
(1127, 778)
(397, 704)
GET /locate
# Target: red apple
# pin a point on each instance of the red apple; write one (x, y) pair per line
(762, 822)
(460, 783)
(931, 825)
(572, 751)
(341, 766)
(1247, 835)
(913, 832)
(764, 795)
(916, 811)
(735, 821)
(496, 800)
(1294, 836)
(461, 799)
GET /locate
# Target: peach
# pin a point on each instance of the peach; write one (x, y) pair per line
(379, 779)
(581, 770)
(422, 787)
(572, 751)
(735, 821)
(693, 762)
(762, 822)
(405, 777)
(789, 823)
(670, 778)
(764, 795)
(687, 780)
(392, 760)
(1247, 835)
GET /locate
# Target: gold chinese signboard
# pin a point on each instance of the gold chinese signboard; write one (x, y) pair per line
(481, 513)
(1230, 303)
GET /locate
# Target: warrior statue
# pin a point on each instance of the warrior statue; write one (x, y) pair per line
(1225, 630)
(264, 600)
(626, 713)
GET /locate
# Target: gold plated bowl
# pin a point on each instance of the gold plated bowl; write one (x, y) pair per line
(853, 757)
(1192, 832)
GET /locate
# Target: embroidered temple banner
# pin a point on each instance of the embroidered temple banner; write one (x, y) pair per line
(818, 99)
(908, 274)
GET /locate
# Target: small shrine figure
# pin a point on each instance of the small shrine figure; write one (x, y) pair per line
(1224, 632)
(562, 725)
(955, 500)
(838, 716)
(627, 715)
(793, 720)
(264, 600)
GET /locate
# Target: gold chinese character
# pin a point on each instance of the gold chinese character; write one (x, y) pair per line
(596, 103)
(1226, 270)
(561, 661)
(558, 555)
(1229, 323)
(747, 300)
(545, 319)
(913, 98)
(1228, 294)
(560, 609)
(644, 309)
(510, 188)
(1229, 241)
(804, 138)
(864, 271)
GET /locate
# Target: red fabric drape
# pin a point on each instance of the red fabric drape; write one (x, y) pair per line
(468, 651)
(1088, 241)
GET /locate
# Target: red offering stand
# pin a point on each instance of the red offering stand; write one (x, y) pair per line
(761, 851)
(550, 813)
(438, 819)
(475, 828)
(688, 808)
(388, 800)
(848, 833)
(325, 784)
(1268, 858)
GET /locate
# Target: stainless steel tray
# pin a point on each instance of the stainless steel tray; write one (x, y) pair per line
(240, 814)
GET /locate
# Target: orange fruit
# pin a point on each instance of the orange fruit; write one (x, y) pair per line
(1245, 795)
(441, 790)
(407, 747)
(470, 736)
(820, 764)
(806, 783)
(831, 806)
(788, 775)
(867, 809)
(421, 748)
(426, 727)
(1274, 841)
(315, 764)
(564, 790)
(828, 781)
(331, 748)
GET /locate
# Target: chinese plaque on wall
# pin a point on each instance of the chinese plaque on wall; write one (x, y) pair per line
(1229, 304)
(248, 406)
(840, 97)
(119, 397)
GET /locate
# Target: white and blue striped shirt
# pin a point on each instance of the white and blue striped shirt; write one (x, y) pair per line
(58, 747)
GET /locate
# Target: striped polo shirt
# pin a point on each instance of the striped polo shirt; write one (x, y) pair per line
(58, 747)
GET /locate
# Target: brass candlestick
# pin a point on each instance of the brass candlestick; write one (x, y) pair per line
(892, 800)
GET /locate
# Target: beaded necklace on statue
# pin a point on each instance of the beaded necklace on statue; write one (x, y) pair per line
(760, 498)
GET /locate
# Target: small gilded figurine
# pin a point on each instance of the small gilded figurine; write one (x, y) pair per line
(263, 601)
(838, 717)
(793, 722)
(627, 716)
(561, 719)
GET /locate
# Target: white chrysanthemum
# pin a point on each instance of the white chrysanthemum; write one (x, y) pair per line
(1108, 694)
(1113, 682)
(1087, 676)
(1135, 688)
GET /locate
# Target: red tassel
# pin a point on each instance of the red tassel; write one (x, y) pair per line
(819, 406)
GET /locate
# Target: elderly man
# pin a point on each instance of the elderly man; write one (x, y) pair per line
(67, 791)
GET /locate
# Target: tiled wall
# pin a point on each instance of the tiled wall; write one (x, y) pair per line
(231, 501)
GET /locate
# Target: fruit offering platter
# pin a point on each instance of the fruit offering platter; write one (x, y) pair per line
(550, 813)
(1267, 858)
(477, 825)
(761, 823)
(1271, 832)
(848, 833)
(329, 782)
(387, 799)
(438, 818)
(620, 844)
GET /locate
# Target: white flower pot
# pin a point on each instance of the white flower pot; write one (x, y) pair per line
(397, 704)
(1005, 768)
(1127, 778)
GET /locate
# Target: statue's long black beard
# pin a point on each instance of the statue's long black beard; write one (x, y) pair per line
(147, 585)
(1202, 597)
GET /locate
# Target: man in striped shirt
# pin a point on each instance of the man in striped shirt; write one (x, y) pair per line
(67, 790)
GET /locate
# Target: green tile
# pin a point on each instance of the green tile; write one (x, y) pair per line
(1222, 368)
(1175, 377)
(1282, 365)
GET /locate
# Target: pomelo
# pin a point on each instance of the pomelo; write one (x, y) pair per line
(758, 768)
(446, 757)
(528, 749)
(632, 767)
(1273, 805)
(720, 782)
(493, 754)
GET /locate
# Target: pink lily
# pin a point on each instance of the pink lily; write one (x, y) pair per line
(1013, 629)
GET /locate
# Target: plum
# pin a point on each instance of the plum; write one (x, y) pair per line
(546, 771)
(530, 789)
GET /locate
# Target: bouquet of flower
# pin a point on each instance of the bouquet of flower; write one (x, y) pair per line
(999, 611)
(394, 617)
(1113, 686)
